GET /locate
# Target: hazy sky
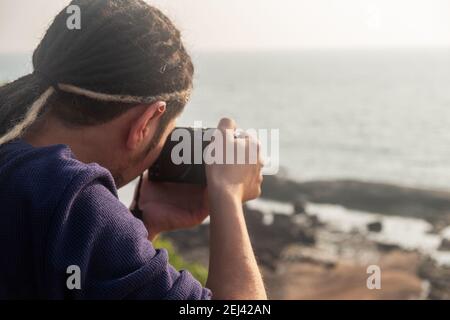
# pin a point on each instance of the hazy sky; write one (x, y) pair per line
(265, 24)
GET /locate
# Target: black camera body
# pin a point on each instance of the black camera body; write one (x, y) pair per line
(165, 170)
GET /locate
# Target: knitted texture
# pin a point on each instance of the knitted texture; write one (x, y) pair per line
(57, 212)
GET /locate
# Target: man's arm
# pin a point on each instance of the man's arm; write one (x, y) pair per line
(233, 271)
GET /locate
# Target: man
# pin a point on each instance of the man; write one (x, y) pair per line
(93, 116)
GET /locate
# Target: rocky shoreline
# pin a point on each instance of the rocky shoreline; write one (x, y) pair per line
(303, 257)
(388, 199)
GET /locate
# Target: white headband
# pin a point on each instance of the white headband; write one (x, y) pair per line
(35, 109)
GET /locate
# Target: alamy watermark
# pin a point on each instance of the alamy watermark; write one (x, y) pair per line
(260, 146)
(374, 280)
(73, 22)
(73, 281)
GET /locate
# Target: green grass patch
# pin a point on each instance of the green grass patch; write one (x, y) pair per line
(177, 261)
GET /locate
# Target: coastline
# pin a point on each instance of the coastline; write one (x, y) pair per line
(315, 239)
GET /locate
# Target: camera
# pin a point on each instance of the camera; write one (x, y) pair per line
(187, 144)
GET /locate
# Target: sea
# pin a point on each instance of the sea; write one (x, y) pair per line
(374, 115)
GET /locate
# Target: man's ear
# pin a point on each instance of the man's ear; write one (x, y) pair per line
(144, 126)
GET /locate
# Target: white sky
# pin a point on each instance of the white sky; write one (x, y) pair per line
(264, 24)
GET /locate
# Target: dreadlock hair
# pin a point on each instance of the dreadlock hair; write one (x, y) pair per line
(127, 53)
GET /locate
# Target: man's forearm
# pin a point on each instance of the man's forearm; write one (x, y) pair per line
(233, 271)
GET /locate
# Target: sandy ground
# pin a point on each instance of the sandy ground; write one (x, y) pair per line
(346, 280)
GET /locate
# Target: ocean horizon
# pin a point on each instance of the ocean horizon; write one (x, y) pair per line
(378, 116)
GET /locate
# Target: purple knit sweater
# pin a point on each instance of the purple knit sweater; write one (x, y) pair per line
(57, 212)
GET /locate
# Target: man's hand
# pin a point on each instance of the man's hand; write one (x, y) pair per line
(243, 181)
(171, 206)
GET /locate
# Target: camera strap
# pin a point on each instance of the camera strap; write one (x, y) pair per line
(136, 211)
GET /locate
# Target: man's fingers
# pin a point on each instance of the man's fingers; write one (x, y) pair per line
(227, 123)
(227, 128)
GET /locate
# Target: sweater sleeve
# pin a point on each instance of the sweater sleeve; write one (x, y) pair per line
(99, 235)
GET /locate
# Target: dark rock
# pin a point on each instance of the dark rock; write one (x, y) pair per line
(445, 245)
(300, 205)
(314, 221)
(376, 226)
(269, 240)
(384, 247)
(438, 277)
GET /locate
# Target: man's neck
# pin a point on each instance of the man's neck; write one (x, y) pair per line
(88, 144)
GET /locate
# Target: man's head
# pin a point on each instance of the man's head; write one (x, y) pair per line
(121, 80)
